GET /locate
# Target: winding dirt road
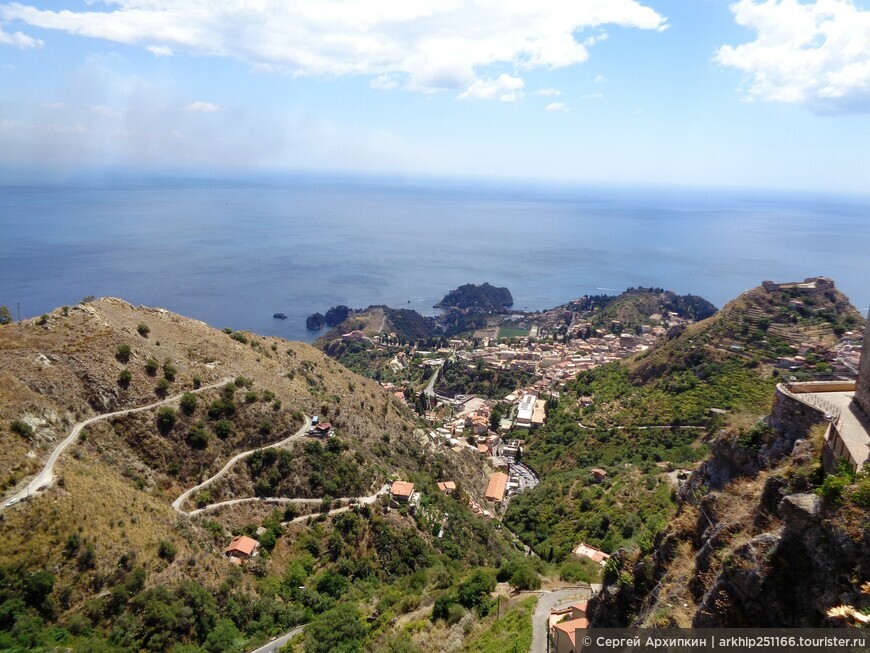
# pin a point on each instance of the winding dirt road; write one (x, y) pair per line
(44, 479)
(232, 461)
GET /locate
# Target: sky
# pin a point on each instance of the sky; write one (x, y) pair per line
(753, 93)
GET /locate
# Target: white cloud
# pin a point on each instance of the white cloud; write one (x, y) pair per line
(556, 106)
(157, 132)
(506, 89)
(19, 40)
(430, 44)
(816, 54)
(384, 83)
(548, 92)
(159, 50)
(202, 107)
(600, 79)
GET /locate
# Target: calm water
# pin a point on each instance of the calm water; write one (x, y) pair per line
(232, 254)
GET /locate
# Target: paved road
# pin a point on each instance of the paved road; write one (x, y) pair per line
(278, 642)
(232, 461)
(430, 389)
(45, 478)
(546, 602)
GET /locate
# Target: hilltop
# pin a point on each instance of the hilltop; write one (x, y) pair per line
(636, 306)
(714, 551)
(119, 567)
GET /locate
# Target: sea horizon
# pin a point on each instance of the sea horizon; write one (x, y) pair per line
(232, 252)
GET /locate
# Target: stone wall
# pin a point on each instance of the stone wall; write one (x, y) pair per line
(793, 419)
(862, 389)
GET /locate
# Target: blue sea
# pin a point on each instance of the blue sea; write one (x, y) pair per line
(232, 253)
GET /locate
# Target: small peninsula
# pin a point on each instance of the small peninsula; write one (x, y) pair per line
(484, 297)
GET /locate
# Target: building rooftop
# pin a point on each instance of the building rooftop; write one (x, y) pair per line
(497, 485)
(402, 489)
(242, 544)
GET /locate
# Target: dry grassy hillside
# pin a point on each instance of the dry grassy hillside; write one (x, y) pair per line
(111, 507)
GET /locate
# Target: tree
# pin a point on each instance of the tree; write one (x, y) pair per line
(5, 315)
(225, 637)
(39, 586)
(143, 330)
(525, 578)
(340, 630)
(151, 366)
(125, 377)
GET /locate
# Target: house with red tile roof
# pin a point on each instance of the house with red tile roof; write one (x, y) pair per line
(242, 548)
(563, 625)
(447, 487)
(496, 488)
(589, 551)
(401, 491)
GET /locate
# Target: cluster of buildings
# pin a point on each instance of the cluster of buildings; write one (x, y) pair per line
(579, 348)
(562, 627)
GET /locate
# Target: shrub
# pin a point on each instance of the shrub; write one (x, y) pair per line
(197, 436)
(861, 494)
(188, 403)
(162, 388)
(477, 588)
(21, 428)
(166, 550)
(87, 558)
(169, 370)
(251, 397)
(143, 329)
(197, 383)
(239, 337)
(441, 609)
(123, 353)
(525, 578)
(222, 407)
(166, 418)
(578, 571)
(265, 428)
(125, 377)
(223, 428)
(151, 366)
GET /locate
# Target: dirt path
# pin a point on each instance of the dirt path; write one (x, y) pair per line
(232, 461)
(44, 479)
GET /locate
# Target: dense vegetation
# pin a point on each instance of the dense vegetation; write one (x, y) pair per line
(457, 377)
(484, 297)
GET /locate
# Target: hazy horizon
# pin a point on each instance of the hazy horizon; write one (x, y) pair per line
(746, 94)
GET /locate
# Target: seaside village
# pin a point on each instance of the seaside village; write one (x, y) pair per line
(465, 423)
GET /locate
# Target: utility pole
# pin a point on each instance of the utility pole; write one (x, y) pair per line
(18, 306)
